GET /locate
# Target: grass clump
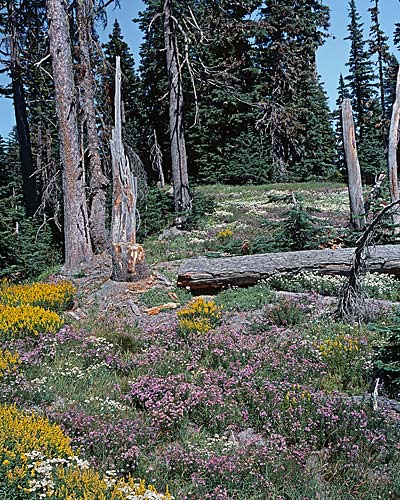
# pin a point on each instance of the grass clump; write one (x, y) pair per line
(287, 313)
(245, 299)
(158, 296)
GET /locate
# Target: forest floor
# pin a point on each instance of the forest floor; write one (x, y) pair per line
(253, 394)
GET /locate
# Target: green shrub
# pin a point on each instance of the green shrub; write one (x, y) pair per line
(156, 212)
(158, 296)
(26, 244)
(244, 299)
(287, 313)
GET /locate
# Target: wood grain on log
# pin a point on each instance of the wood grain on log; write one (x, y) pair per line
(201, 273)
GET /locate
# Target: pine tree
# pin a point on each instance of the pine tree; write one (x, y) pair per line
(396, 35)
(390, 80)
(13, 31)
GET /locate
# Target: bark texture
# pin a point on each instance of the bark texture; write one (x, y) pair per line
(180, 177)
(129, 262)
(78, 248)
(357, 213)
(98, 181)
(21, 118)
(202, 274)
(392, 149)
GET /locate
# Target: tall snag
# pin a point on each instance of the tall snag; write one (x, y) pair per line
(129, 262)
(78, 248)
(357, 212)
(98, 181)
(180, 177)
(392, 151)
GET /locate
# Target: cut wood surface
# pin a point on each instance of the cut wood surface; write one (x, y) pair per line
(206, 274)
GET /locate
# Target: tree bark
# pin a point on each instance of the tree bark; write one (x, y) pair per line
(129, 262)
(357, 213)
(98, 181)
(78, 249)
(202, 274)
(21, 118)
(392, 150)
(180, 178)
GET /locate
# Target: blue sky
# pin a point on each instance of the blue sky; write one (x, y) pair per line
(332, 57)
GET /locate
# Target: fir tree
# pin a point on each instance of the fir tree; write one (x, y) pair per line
(361, 79)
(290, 32)
(390, 80)
(226, 147)
(379, 47)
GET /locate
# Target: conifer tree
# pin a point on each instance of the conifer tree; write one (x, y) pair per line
(361, 80)
(378, 43)
(290, 33)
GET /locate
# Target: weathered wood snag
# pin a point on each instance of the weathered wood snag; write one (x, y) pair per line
(129, 262)
(357, 213)
(202, 274)
(180, 177)
(392, 150)
(78, 248)
(98, 181)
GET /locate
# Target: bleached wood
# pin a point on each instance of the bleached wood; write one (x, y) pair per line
(357, 213)
(129, 262)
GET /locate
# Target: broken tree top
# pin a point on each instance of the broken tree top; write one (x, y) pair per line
(204, 273)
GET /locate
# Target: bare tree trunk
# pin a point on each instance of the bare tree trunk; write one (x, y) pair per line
(21, 119)
(357, 213)
(78, 249)
(98, 181)
(180, 178)
(392, 150)
(129, 262)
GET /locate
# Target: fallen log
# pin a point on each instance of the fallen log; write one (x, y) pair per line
(204, 274)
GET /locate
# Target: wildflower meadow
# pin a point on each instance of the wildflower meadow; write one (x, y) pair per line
(268, 400)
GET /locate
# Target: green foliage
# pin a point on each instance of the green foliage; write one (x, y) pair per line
(387, 360)
(298, 230)
(287, 313)
(202, 205)
(156, 212)
(26, 246)
(244, 299)
(158, 296)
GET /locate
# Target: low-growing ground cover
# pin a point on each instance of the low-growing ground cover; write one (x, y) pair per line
(36, 458)
(242, 215)
(266, 402)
